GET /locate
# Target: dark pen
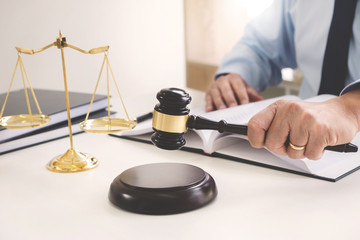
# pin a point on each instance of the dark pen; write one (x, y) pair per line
(349, 147)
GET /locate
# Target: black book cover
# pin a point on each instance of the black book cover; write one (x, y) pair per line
(51, 102)
(47, 134)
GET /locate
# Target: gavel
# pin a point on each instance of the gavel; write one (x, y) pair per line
(171, 120)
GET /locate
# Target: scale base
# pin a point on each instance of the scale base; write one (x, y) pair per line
(72, 161)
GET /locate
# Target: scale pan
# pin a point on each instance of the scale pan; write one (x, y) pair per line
(107, 125)
(24, 121)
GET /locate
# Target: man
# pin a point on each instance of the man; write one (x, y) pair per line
(322, 39)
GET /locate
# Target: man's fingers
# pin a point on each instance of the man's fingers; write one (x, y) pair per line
(227, 92)
(298, 141)
(278, 130)
(240, 89)
(209, 105)
(314, 148)
(259, 124)
(254, 95)
(214, 98)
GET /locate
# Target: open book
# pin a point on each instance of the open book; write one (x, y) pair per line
(332, 166)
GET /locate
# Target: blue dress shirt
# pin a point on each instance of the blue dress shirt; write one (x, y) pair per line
(291, 33)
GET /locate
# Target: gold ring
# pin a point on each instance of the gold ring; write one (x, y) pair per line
(298, 148)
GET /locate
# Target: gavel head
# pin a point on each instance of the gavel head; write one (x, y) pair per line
(169, 118)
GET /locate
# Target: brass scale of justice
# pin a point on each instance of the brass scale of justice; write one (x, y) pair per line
(73, 160)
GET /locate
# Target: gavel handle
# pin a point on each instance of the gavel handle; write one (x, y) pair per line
(196, 122)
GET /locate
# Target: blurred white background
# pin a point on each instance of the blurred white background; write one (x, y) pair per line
(149, 46)
(146, 41)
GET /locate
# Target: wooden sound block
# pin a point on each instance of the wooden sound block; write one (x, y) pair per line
(162, 188)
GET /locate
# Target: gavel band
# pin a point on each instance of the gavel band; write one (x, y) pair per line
(169, 123)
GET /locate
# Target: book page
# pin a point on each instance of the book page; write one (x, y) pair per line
(140, 129)
(241, 114)
(243, 150)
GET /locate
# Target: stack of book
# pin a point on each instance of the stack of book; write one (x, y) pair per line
(53, 104)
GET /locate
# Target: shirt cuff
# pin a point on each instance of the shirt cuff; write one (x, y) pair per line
(350, 87)
(219, 75)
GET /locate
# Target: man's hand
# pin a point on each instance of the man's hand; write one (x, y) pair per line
(229, 91)
(310, 125)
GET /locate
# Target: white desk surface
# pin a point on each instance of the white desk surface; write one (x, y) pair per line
(252, 202)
